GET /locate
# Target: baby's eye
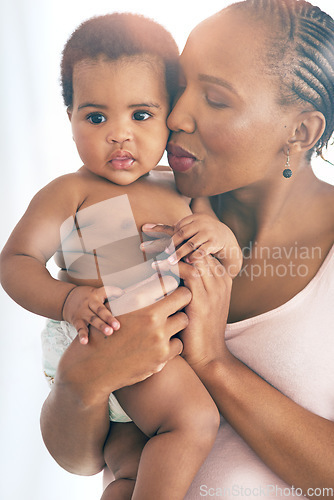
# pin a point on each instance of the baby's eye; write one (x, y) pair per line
(96, 118)
(141, 116)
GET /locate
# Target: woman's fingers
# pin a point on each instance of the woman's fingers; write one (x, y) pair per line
(143, 295)
(207, 312)
(204, 275)
(210, 269)
(175, 349)
(177, 322)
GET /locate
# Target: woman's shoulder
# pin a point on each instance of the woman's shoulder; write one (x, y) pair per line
(326, 199)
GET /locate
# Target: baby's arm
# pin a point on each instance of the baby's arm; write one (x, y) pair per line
(32, 243)
(202, 234)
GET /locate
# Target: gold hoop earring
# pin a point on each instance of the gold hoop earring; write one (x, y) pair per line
(287, 172)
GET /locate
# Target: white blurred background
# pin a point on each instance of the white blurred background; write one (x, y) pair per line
(37, 146)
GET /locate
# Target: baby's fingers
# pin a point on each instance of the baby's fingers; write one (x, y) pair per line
(155, 246)
(202, 251)
(82, 330)
(99, 315)
(188, 248)
(104, 321)
(155, 230)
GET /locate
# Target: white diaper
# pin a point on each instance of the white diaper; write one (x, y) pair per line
(56, 337)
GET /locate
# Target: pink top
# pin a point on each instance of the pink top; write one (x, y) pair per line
(292, 347)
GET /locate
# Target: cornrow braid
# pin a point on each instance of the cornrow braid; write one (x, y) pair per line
(301, 53)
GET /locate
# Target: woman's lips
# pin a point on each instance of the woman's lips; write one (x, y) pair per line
(179, 159)
(121, 160)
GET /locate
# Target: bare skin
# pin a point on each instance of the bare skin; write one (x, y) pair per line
(241, 151)
(261, 207)
(180, 417)
(264, 209)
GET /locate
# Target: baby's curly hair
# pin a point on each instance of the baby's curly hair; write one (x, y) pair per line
(116, 35)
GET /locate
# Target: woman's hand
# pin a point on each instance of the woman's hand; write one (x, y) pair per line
(142, 345)
(210, 286)
(203, 338)
(74, 418)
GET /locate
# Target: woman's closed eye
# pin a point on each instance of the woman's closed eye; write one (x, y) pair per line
(216, 97)
(141, 116)
(96, 118)
(216, 102)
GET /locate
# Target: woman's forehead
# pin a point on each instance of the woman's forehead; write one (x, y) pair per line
(227, 26)
(225, 42)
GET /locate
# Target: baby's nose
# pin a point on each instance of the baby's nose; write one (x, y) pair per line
(119, 132)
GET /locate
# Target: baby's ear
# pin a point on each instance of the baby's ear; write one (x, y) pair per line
(69, 113)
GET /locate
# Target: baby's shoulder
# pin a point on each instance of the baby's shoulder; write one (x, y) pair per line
(67, 181)
(64, 194)
(62, 187)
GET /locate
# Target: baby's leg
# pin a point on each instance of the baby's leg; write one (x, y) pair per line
(121, 489)
(122, 452)
(176, 411)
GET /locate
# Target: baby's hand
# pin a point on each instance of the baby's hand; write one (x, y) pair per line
(201, 234)
(85, 306)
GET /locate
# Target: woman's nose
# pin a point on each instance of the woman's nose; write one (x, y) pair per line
(119, 132)
(181, 118)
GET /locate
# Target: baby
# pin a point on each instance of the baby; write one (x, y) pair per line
(119, 77)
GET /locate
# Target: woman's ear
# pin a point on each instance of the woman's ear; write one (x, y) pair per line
(309, 129)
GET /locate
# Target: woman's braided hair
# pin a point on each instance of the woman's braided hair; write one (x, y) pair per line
(301, 54)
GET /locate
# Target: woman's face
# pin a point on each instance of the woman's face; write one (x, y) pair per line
(226, 120)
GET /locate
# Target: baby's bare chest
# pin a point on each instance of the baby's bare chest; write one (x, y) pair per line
(146, 200)
(103, 238)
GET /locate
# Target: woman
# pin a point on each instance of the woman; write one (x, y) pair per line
(256, 99)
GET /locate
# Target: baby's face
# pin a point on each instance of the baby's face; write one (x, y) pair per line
(119, 116)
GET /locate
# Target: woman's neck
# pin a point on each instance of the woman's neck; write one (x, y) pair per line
(269, 213)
